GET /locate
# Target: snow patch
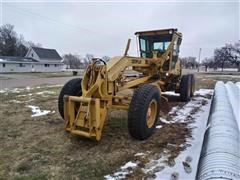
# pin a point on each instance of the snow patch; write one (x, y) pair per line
(170, 93)
(125, 169)
(19, 102)
(129, 164)
(204, 92)
(37, 112)
(187, 161)
(18, 90)
(140, 154)
(45, 92)
(15, 90)
(159, 126)
(2, 91)
(195, 113)
(165, 121)
(15, 101)
(22, 95)
(57, 85)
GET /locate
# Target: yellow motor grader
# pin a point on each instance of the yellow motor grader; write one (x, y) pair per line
(84, 103)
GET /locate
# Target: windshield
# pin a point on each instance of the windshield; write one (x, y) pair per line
(154, 43)
(161, 46)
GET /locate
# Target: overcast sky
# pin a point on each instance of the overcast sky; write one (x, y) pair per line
(102, 28)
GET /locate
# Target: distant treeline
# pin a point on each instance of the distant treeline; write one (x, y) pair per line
(227, 56)
(75, 61)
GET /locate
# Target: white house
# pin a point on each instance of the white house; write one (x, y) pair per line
(36, 60)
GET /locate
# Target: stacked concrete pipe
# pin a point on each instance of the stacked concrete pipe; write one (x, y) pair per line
(220, 156)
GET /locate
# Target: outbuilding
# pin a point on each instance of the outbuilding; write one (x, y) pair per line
(36, 60)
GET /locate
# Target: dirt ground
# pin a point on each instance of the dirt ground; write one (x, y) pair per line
(33, 79)
(204, 79)
(39, 148)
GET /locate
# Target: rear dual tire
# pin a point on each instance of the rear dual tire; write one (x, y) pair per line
(187, 87)
(192, 84)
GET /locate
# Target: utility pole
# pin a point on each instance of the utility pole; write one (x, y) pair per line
(199, 55)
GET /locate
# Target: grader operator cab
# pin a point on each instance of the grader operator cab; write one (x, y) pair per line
(84, 103)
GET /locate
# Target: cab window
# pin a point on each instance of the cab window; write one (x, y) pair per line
(154, 43)
(160, 46)
(143, 44)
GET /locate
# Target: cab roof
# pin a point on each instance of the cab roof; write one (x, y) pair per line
(158, 32)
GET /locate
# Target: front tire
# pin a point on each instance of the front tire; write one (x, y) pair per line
(144, 111)
(71, 88)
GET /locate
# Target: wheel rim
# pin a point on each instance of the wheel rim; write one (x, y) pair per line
(151, 113)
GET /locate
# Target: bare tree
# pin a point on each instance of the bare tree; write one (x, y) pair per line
(230, 53)
(32, 44)
(105, 58)
(88, 59)
(72, 61)
(222, 56)
(208, 63)
(235, 54)
(189, 62)
(21, 49)
(8, 40)
(11, 44)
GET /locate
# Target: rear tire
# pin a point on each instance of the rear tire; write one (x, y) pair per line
(185, 88)
(192, 85)
(71, 88)
(144, 111)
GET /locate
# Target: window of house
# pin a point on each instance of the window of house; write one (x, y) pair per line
(4, 65)
(46, 65)
(55, 65)
(21, 65)
(32, 54)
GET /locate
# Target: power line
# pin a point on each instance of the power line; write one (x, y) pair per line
(122, 1)
(47, 19)
(27, 12)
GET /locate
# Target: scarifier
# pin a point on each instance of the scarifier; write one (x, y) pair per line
(84, 103)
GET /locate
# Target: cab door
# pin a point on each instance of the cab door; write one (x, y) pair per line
(175, 52)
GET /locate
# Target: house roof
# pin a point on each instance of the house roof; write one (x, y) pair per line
(16, 59)
(44, 53)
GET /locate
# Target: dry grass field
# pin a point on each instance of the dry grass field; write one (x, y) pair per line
(39, 148)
